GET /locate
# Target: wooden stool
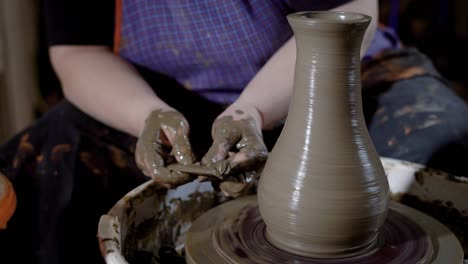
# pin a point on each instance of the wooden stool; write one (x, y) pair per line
(7, 201)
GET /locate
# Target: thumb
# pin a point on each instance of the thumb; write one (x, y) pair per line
(218, 150)
(225, 135)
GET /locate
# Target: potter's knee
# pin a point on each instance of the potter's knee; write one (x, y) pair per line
(64, 108)
(63, 114)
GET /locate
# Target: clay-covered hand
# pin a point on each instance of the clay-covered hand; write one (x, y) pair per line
(240, 127)
(164, 137)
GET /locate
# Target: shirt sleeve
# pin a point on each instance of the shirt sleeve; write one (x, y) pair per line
(315, 5)
(84, 22)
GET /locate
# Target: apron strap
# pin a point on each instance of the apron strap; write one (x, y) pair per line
(118, 26)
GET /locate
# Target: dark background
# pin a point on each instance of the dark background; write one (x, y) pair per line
(438, 28)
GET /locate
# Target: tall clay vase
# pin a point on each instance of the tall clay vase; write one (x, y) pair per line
(323, 191)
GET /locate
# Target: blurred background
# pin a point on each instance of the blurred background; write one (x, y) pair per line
(29, 87)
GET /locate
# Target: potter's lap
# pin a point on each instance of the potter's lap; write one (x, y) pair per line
(423, 121)
(65, 177)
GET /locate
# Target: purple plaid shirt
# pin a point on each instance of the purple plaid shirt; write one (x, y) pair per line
(213, 47)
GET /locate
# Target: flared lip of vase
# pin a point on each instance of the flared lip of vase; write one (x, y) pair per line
(309, 18)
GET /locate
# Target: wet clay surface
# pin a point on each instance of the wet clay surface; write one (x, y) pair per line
(324, 176)
(237, 144)
(235, 233)
(164, 131)
(245, 136)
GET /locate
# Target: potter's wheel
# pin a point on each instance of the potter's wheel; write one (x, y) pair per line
(235, 233)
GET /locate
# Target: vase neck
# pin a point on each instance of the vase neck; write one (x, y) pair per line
(333, 38)
(328, 57)
(328, 46)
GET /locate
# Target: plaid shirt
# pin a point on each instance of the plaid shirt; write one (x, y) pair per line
(213, 47)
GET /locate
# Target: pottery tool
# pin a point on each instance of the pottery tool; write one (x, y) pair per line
(218, 170)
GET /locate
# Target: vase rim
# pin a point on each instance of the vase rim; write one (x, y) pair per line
(329, 17)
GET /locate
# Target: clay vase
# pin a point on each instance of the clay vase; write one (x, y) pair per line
(323, 191)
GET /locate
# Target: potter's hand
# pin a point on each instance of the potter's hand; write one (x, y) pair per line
(163, 129)
(239, 126)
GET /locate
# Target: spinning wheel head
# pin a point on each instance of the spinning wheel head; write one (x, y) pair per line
(235, 233)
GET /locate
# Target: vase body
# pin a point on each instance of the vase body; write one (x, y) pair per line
(323, 191)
